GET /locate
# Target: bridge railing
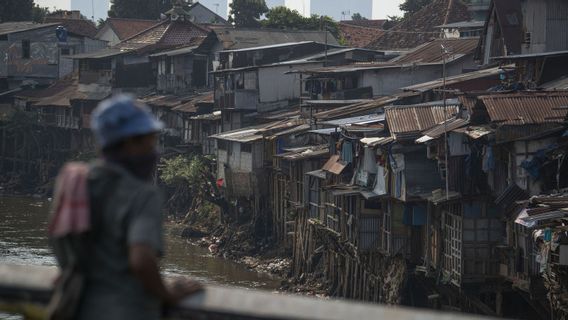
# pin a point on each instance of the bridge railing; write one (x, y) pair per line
(26, 290)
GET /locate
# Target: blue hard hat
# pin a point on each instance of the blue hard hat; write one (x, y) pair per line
(122, 117)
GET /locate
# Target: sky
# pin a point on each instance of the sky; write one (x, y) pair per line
(338, 9)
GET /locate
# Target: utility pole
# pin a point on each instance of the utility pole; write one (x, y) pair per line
(446, 151)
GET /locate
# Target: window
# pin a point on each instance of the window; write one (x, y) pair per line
(222, 145)
(26, 49)
(65, 51)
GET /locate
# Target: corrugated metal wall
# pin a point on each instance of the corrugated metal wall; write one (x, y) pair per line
(557, 25)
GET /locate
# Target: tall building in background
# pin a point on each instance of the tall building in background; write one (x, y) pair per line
(343, 10)
(92, 9)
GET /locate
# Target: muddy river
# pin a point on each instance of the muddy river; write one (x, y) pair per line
(23, 241)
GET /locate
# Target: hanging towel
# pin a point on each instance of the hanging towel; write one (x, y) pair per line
(71, 208)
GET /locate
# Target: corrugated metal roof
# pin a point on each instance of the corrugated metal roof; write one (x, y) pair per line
(104, 53)
(558, 84)
(526, 107)
(475, 132)
(414, 119)
(431, 52)
(175, 52)
(359, 108)
(446, 126)
(359, 120)
(438, 83)
(256, 133)
(305, 153)
(214, 116)
(334, 165)
(376, 141)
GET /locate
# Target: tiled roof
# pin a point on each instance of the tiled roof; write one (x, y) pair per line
(168, 34)
(431, 52)
(412, 120)
(358, 36)
(527, 107)
(13, 27)
(368, 23)
(421, 26)
(126, 28)
(81, 27)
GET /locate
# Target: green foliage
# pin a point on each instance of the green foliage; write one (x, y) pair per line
(16, 10)
(412, 6)
(182, 170)
(141, 9)
(247, 13)
(284, 18)
(392, 21)
(357, 17)
(39, 13)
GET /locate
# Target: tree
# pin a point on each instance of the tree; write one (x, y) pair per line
(142, 9)
(392, 21)
(39, 13)
(284, 18)
(16, 10)
(357, 17)
(412, 6)
(247, 13)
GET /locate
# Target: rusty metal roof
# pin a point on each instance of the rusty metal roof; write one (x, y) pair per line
(431, 52)
(527, 107)
(305, 153)
(334, 165)
(492, 73)
(446, 126)
(415, 119)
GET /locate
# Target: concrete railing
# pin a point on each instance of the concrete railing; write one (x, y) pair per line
(27, 289)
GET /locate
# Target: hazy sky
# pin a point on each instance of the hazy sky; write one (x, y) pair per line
(329, 7)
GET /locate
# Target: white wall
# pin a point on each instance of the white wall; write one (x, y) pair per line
(275, 85)
(108, 35)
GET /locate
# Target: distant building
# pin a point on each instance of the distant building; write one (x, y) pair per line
(92, 9)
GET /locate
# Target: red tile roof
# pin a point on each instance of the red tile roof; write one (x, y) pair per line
(358, 36)
(376, 24)
(126, 28)
(420, 27)
(81, 27)
(167, 34)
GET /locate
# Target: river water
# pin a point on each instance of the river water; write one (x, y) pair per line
(23, 241)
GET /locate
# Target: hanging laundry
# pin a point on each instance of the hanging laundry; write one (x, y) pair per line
(380, 183)
(369, 160)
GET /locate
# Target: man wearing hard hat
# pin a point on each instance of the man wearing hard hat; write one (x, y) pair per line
(106, 224)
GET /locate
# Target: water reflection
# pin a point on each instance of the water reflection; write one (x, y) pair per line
(23, 240)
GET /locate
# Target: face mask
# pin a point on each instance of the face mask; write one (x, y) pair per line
(141, 166)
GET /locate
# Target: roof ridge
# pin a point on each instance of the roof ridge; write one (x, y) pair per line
(145, 30)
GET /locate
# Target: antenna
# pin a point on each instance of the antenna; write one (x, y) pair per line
(345, 13)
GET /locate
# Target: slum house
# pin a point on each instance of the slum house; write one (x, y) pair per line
(244, 163)
(52, 125)
(291, 167)
(128, 68)
(489, 145)
(424, 63)
(34, 55)
(535, 69)
(338, 230)
(199, 14)
(244, 80)
(544, 216)
(524, 27)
